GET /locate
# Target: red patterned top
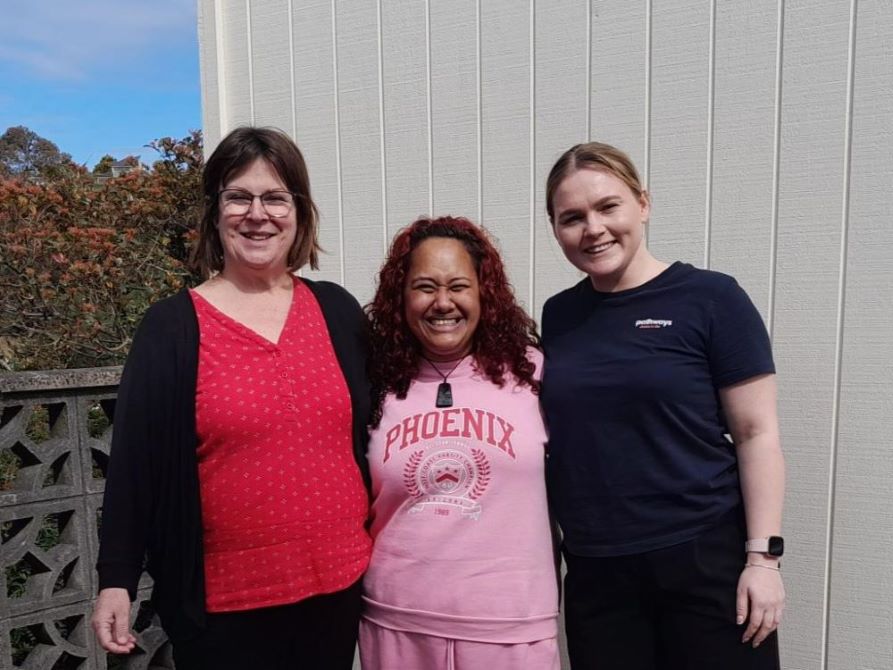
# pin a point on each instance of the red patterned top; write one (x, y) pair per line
(283, 502)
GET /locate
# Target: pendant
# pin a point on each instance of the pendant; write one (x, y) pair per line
(444, 395)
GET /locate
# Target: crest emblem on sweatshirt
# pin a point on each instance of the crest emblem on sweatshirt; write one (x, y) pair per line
(447, 477)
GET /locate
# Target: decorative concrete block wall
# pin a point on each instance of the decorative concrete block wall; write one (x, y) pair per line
(55, 430)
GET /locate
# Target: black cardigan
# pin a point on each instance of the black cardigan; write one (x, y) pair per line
(152, 505)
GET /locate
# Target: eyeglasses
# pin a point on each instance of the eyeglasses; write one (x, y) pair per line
(237, 202)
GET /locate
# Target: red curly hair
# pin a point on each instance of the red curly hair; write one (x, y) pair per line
(503, 334)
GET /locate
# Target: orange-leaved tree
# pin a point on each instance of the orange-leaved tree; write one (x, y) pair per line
(81, 259)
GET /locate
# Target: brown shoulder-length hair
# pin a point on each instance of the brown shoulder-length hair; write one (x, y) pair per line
(592, 155)
(238, 150)
(503, 334)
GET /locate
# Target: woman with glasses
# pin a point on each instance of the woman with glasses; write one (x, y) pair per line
(237, 465)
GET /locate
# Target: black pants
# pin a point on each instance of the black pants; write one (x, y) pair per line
(670, 609)
(319, 633)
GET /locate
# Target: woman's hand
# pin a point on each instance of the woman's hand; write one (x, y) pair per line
(750, 409)
(111, 621)
(760, 601)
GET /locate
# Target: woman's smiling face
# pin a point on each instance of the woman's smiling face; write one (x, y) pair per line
(442, 298)
(254, 239)
(599, 223)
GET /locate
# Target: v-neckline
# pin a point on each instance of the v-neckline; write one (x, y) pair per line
(241, 328)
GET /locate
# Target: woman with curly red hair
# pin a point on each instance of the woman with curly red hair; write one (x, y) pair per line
(462, 573)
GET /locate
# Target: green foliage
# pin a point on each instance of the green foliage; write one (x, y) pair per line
(24, 153)
(38, 428)
(50, 532)
(178, 173)
(17, 576)
(9, 468)
(81, 259)
(97, 421)
(104, 166)
(23, 641)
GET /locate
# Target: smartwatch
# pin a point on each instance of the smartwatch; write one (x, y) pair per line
(771, 546)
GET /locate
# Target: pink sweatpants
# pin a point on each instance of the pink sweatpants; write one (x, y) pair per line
(386, 649)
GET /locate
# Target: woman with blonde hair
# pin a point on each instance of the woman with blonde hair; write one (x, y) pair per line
(671, 530)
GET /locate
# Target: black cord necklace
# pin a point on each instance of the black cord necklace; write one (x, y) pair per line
(444, 390)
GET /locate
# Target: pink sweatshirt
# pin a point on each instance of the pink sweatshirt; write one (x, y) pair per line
(463, 546)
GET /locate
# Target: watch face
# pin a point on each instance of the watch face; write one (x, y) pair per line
(776, 546)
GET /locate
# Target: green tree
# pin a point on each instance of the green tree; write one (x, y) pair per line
(25, 154)
(178, 173)
(104, 166)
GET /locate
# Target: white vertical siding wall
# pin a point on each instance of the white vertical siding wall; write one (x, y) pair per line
(764, 130)
(743, 175)
(507, 109)
(454, 108)
(860, 580)
(812, 162)
(680, 128)
(560, 119)
(316, 122)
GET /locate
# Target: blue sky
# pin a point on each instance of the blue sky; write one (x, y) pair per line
(100, 76)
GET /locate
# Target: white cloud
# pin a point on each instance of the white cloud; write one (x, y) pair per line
(70, 39)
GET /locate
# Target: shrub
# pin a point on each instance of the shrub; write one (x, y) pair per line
(81, 259)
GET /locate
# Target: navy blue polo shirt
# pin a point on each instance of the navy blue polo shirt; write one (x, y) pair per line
(639, 457)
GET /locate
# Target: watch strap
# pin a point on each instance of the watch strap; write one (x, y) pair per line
(769, 546)
(759, 545)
